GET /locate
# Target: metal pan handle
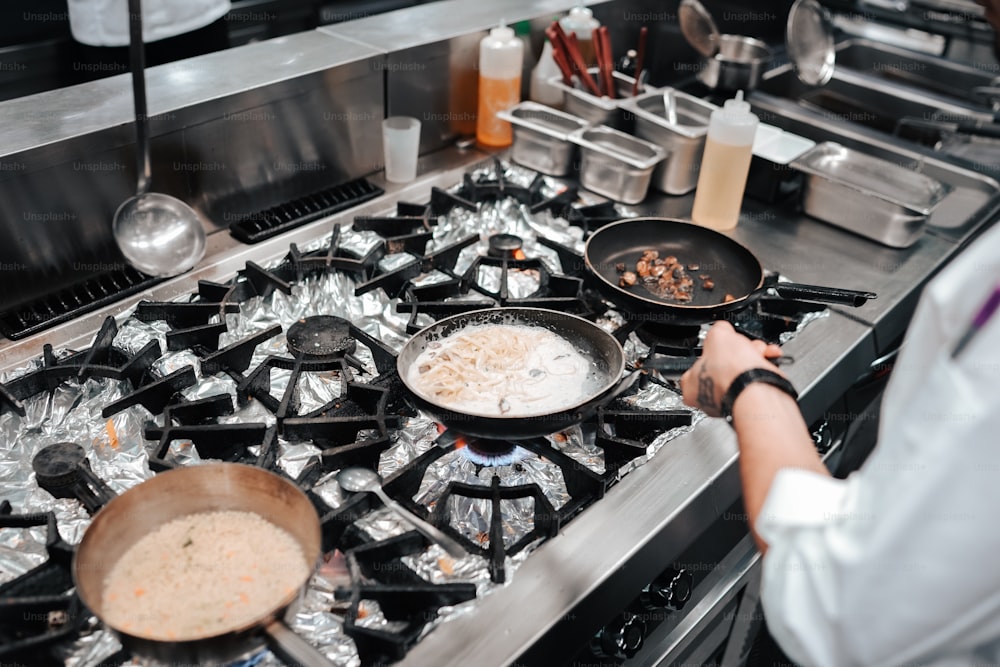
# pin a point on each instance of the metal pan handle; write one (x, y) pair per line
(845, 297)
(292, 649)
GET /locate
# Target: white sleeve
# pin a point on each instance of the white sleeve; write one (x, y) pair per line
(900, 563)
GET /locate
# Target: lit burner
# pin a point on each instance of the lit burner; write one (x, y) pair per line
(506, 246)
(320, 336)
(493, 453)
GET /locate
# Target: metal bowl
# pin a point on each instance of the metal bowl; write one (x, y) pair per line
(738, 65)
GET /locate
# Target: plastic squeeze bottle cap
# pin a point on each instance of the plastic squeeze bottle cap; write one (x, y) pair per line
(502, 33)
(734, 123)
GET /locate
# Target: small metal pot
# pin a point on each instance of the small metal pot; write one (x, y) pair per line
(737, 65)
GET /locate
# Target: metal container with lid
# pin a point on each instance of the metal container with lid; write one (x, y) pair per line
(881, 200)
(732, 62)
(615, 164)
(683, 137)
(541, 137)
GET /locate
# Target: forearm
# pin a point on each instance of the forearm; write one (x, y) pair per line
(772, 435)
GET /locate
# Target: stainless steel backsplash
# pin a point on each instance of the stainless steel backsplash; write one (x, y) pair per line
(241, 130)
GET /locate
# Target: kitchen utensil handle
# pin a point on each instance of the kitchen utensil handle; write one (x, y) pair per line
(454, 549)
(990, 130)
(845, 297)
(137, 61)
(292, 649)
(607, 62)
(987, 95)
(575, 58)
(640, 58)
(679, 365)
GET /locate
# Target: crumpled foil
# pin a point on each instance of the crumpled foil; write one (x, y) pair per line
(118, 453)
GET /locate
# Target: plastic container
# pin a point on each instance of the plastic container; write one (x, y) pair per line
(501, 54)
(581, 21)
(725, 165)
(541, 90)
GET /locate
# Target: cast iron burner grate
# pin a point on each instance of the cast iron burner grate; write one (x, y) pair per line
(262, 225)
(101, 360)
(378, 574)
(623, 433)
(505, 255)
(38, 609)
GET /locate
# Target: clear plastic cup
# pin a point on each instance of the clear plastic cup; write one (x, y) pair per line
(401, 143)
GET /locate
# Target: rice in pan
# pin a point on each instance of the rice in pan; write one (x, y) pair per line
(202, 575)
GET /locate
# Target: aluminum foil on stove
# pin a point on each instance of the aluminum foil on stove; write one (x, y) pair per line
(119, 454)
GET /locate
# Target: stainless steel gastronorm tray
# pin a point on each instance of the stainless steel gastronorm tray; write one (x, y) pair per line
(541, 137)
(597, 110)
(684, 140)
(615, 164)
(885, 201)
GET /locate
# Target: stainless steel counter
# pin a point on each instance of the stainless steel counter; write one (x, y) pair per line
(602, 558)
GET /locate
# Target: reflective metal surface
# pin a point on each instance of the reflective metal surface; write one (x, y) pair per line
(364, 480)
(809, 40)
(541, 137)
(232, 132)
(880, 200)
(615, 164)
(683, 138)
(158, 234)
(927, 72)
(431, 63)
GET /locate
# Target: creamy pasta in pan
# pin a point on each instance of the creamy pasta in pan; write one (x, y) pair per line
(502, 370)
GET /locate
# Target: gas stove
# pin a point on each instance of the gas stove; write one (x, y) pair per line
(289, 365)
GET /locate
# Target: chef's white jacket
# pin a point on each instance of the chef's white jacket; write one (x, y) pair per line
(900, 563)
(105, 22)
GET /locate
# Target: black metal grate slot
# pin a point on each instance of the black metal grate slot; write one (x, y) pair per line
(262, 225)
(72, 301)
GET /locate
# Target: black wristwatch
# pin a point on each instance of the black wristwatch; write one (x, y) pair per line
(744, 380)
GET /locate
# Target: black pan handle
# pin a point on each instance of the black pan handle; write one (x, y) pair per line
(672, 366)
(844, 297)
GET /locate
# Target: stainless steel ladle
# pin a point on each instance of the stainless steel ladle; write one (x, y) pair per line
(158, 234)
(358, 479)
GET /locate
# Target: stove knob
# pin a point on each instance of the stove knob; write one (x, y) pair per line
(621, 638)
(671, 590)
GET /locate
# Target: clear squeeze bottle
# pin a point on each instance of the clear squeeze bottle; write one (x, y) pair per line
(501, 55)
(725, 165)
(581, 21)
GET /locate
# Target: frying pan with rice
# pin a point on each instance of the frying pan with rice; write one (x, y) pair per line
(195, 490)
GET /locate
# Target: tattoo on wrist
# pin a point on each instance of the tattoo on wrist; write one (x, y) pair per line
(706, 390)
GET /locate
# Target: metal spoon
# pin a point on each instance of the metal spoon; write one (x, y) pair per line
(359, 479)
(158, 234)
(670, 106)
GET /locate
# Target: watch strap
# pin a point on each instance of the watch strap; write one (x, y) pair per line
(747, 378)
